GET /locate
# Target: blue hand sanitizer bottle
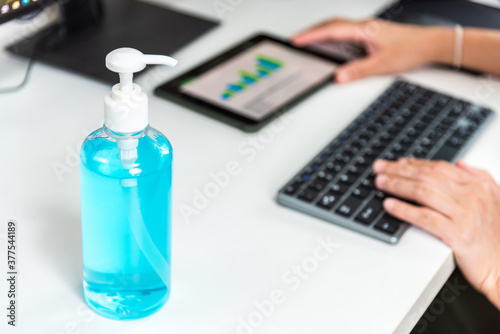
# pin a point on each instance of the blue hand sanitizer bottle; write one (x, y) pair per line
(125, 181)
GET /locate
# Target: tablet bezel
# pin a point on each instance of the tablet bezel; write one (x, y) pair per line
(171, 89)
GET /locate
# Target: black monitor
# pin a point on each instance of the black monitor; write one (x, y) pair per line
(89, 29)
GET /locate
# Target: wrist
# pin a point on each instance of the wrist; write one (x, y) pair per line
(440, 44)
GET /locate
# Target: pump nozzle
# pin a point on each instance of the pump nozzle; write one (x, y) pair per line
(127, 61)
(126, 106)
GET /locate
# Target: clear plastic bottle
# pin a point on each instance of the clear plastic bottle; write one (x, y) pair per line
(126, 223)
(125, 181)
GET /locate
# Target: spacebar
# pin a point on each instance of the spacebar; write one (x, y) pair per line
(446, 152)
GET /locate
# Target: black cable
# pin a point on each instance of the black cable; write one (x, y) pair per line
(23, 82)
(33, 55)
(30, 62)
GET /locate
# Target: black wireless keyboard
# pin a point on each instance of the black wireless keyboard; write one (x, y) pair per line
(405, 121)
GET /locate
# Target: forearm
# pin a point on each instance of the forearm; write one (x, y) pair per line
(481, 48)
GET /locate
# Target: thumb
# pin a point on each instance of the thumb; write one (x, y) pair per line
(359, 69)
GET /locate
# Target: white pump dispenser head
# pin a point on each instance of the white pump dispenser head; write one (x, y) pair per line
(126, 106)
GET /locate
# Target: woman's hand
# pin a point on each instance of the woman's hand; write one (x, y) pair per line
(460, 205)
(391, 47)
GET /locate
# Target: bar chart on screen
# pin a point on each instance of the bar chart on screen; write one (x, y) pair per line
(259, 79)
(265, 66)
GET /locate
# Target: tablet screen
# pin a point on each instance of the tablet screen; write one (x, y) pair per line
(260, 79)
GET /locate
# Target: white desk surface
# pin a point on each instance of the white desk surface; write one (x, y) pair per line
(237, 250)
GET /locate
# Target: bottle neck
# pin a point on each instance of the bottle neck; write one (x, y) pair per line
(127, 144)
(125, 136)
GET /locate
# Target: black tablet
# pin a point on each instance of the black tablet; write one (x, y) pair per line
(253, 82)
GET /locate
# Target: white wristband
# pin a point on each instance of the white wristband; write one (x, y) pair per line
(458, 51)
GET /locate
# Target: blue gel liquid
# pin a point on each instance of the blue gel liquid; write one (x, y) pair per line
(126, 225)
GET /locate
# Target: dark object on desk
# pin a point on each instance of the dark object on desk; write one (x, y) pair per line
(405, 121)
(90, 29)
(425, 19)
(459, 309)
(443, 12)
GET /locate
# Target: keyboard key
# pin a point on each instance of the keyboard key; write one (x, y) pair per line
(355, 170)
(339, 162)
(318, 184)
(390, 156)
(352, 150)
(446, 152)
(372, 154)
(340, 187)
(349, 206)
(356, 146)
(436, 134)
(326, 177)
(367, 182)
(388, 224)
(361, 192)
(412, 133)
(347, 178)
(308, 195)
(362, 163)
(400, 121)
(370, 132)
(426, 142)
(334, 166)
(420, 126)
(345, 157)
(447, 121)
(428, 95)
(364, 138)
(305, 176)
(292, 188)
(406, 113)
(316, 165)
(459, 106)
(455, 141)
(385, 138)
(398, 148)
(333, 148)
(378, 145)
(361, 142)
(328, 200)
(379, 125)
(427, 119)
(406, 141)
(394, 130)
(443, 99)
(370, 211)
